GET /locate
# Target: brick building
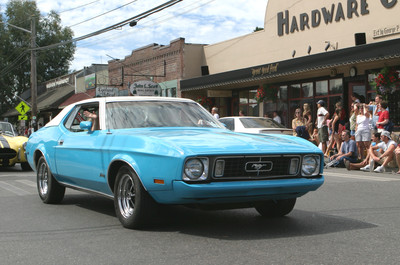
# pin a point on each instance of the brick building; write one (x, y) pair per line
(162, 64)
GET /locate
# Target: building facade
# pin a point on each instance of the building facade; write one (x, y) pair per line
(165, 65)
(307, 51)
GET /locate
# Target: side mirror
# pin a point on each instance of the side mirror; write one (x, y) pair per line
(86, 125)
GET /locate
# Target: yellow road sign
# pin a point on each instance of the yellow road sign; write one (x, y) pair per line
(22, 108)
(22, 117)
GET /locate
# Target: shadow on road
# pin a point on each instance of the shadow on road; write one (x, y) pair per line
(241, 224)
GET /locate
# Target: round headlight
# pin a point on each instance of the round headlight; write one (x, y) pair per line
(194, 169)
(310, 166)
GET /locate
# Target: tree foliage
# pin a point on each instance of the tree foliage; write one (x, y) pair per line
(15, 66)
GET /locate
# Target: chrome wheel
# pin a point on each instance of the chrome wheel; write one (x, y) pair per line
(126, 196)
(43, 179)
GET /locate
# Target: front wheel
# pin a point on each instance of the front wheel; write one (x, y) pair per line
(275, 208)
(25, 166)
(50, 191)
(133, 205)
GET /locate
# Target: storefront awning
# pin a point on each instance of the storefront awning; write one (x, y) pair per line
(91, 93)
(355, 55)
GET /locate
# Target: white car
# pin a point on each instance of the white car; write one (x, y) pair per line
(247, 124)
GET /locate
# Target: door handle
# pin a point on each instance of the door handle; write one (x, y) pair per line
(61, 142)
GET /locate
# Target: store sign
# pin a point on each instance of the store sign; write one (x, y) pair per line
(265, 70)
(219, 93)
(387, 31)
(288, 23)
(90, 81)
(145, 88)
(57, 83)
(104, 91)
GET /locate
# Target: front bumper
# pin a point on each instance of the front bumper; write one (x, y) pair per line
(236, 191)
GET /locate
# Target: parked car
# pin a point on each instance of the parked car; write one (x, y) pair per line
(150, 151)
(12, 147)
(247, 124)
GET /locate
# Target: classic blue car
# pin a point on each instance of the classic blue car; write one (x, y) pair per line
(147, 151)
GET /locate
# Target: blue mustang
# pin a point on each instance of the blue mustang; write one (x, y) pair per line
(147, 151)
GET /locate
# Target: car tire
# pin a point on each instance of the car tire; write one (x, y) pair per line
(25, 166)
(134, 207)
(275, 208)
(50, 191)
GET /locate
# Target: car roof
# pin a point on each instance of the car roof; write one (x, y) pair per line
(56, 121)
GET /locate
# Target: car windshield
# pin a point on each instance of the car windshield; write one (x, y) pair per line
(260, 123)
(140, 114)
(6, 128)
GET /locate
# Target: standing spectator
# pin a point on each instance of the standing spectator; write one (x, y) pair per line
(374, 109)
(334, 128)
(347, 152)
(363, 132)
(353, 118)
(355, 97)
(297, 121)
(386, 156)
(308, 117)
(214, 112)
(241, 113)
(322, 116)
(276, 117)
(383, 116)
(364, 165)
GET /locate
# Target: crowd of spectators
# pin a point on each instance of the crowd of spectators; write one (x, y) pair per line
(363, 141)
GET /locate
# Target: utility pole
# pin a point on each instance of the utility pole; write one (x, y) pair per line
(33, 74)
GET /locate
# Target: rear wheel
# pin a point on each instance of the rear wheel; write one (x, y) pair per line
(133, 205)
(275, 208)
(50, 191)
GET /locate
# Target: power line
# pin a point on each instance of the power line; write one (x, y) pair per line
(67, 10)
(102, 14)
(115, 26)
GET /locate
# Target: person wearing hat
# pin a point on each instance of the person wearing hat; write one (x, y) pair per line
(322, 116)
(387, 155)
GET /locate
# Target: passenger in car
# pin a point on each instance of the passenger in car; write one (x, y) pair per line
(94, 119)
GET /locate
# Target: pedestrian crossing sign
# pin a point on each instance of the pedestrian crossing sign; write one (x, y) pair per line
(22, 117)
(22, 108)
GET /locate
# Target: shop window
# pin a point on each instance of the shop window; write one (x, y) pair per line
(283, 93)
(336, 86)
(247, 103)
(307, 89)
(321, 88)
(295, 90)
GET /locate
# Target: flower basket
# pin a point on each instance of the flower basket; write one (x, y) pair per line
(267, 92)
(205, 101)
(386, 81)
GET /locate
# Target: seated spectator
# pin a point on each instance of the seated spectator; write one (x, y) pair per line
(314, 137)
(397, 153)
(348, 151)
(387, 156)
(364, 165)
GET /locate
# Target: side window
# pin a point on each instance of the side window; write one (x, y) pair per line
(229, 124)
(77, 116)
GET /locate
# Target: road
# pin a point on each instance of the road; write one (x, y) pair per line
(353, 219)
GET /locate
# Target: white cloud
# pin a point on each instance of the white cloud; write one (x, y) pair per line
(198, 21)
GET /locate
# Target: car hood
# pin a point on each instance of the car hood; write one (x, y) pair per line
(13, 142)
(193, 141)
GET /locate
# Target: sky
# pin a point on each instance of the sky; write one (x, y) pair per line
(198, 21)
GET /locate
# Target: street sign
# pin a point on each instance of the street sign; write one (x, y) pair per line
(22, 108)
(22, 117)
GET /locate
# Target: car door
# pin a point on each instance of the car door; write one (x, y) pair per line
(79, 152)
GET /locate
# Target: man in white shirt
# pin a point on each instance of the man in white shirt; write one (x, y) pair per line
(276, 117)
(322, 116)
(214, 112)
(387, 158)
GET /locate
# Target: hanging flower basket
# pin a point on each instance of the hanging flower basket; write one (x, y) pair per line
(205, 101)
(386, 81)
(267, 92)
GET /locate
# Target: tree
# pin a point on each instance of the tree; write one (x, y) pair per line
(15, 49)
(257, 29)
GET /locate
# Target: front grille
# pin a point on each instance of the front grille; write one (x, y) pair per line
(7, 153)
(256, 167)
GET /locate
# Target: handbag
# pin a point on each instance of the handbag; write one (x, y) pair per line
(389, 126)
